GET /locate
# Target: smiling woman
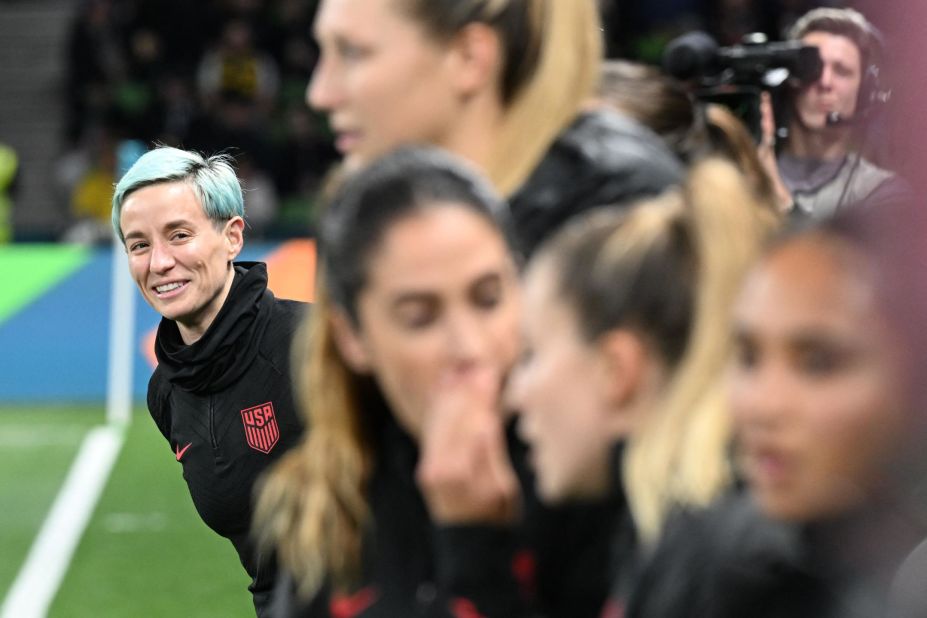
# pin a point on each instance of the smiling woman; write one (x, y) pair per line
(221, 393)
(178, 257)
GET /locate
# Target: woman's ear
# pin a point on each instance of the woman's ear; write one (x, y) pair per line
(625, 359)
(349, 342)
(476, 54)
(235, 235)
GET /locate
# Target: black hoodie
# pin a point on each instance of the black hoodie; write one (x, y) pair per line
(225, 405)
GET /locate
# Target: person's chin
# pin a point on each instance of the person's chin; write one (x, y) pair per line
(172, 313)
(549, 492)
(814, 122)
(354, 161)
(173, 309)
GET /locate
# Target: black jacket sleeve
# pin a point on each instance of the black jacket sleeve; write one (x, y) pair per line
(157, 405)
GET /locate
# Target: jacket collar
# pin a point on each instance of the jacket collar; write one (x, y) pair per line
(229, 345)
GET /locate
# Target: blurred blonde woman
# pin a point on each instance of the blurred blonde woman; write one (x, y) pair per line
(626, 321)
(501, 83)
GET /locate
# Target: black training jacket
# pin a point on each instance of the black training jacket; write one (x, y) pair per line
(602, 159)
(551, 565)
(730, 561)
(225, 405)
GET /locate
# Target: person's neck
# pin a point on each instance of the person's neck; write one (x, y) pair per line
(827, 144)
(474, 134)
(193, 330)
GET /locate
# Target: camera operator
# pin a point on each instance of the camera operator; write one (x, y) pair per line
(821, 169)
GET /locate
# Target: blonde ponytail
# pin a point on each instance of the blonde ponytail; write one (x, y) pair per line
(679, 455)
(311, 508)
(570, 49)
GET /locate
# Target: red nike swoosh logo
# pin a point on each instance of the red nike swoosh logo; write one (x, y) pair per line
(349, 606)
(181, 451)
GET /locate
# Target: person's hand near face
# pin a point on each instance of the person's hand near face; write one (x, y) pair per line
(438, 327)
(464, 471)
(766, 151)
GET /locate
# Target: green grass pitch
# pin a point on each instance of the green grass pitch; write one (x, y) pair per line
(145, 551)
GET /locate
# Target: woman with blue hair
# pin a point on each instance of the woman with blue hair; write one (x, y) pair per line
(221, 393)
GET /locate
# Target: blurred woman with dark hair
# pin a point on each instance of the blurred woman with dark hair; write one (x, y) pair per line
(825, 430)
(403, 500)
(423, 294)
(827, 438)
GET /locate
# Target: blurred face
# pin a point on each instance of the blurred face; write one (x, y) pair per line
(177, 256)
(815, 384)
(837, 88)
(441, 297)
(560, 391)
(380, 78)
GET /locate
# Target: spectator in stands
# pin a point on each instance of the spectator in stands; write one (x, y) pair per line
(95, 60)
(221, 394)
(136, 101)
(178, 106)
(296, 54)
(92, 196)
(236, 69)
(261, 201)
(306, 154)
(9, 174)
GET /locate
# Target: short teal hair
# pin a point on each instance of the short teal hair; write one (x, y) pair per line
(213, 180)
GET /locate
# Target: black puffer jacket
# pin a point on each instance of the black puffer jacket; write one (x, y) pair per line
(602, 159)
(225, 406)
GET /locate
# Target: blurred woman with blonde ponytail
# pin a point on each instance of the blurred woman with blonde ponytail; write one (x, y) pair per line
(501, 83)
(621, 389)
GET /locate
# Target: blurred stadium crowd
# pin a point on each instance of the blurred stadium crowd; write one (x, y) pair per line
(231, 75)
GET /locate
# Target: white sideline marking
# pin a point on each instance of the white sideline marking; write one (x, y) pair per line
(51, 552)
(121, 340)
(26, 437)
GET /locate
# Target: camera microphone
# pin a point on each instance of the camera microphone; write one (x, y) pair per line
(836, 119)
